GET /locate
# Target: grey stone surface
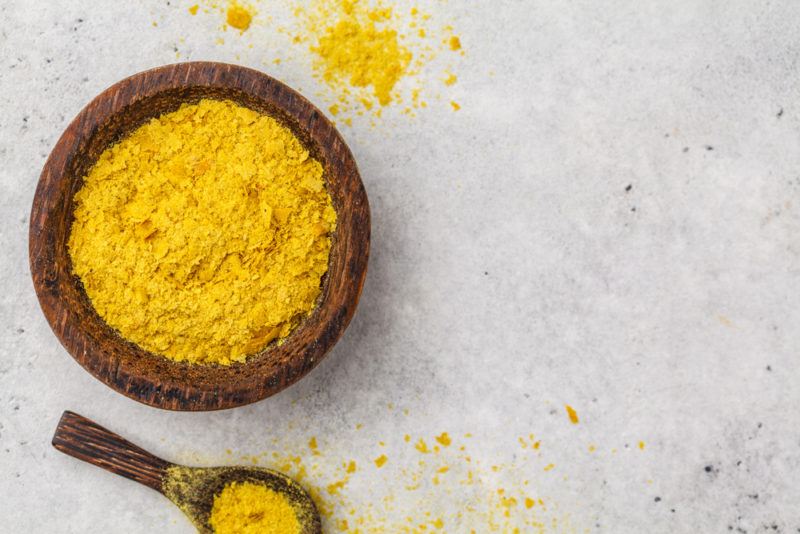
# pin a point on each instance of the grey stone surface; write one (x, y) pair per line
(611, 222)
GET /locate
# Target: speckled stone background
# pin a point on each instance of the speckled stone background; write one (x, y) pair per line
(611, 221)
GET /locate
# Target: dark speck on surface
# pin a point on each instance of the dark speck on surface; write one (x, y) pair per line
(657, 499)
(769, 368)
(686, 149)
(633, 208)
(709, 148)
(780, 113)
(628, 188)
(486, 273)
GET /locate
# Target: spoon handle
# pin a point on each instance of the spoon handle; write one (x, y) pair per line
(86, 440)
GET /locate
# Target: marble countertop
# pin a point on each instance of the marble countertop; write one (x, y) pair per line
(609, 222)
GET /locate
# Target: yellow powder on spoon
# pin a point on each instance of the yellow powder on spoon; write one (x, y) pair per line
(248, 508)
(204, 234)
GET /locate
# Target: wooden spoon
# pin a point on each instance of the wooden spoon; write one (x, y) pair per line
(192, 489)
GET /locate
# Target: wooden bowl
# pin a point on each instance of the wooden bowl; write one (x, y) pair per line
(126, 367)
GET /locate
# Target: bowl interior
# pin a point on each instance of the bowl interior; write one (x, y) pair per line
(125, 366)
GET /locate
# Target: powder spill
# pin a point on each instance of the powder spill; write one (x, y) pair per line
(359, 50)
(369, 54)
(248, 508)
(204, 234)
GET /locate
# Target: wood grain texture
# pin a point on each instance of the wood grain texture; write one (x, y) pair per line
(126, 367)
(86, 440)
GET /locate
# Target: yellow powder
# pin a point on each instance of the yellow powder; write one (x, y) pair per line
(193, 9)
(356, 47)
(247, 508)
(380, 461)
(455, 105)
(451, 79)
(572, 414)
(204, 234)
(454, 43)
(238, 16)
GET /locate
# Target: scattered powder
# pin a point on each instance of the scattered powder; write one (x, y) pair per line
(455, 105)
(641, 445)
(573, 415)
(193, 9)
(447, 489)
(204, 234)
(444, 439)
(369, 54)
(248, 508)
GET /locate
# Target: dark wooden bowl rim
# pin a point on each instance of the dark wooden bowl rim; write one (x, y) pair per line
(126, 367)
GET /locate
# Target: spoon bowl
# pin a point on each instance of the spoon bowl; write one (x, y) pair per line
(192, 489)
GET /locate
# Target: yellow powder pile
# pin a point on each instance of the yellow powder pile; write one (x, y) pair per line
(238, 16)
(204, 234)
(247, 508)
(357, 47)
